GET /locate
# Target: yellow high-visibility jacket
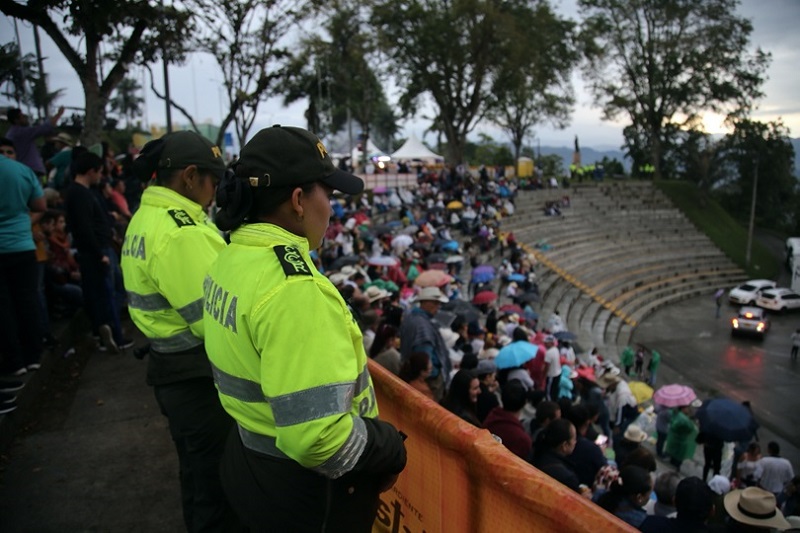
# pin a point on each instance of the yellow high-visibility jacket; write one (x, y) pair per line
(287, 355)
(169, 247)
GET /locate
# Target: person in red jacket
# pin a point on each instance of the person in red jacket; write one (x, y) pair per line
(505, 423)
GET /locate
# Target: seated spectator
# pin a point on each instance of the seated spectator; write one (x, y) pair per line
(415, 371)
(462, 397)
(720, 486)
(552, 452)
(384, 348)
(505, 421)
(587, 456)
(628, 494)
(63, 276)
(486, 371)
(631, 440)
(665, 486)
(694, 502)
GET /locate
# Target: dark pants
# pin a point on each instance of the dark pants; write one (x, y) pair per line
(553, 388)
(199, 427)
(712, 460)
(19, 311)
(794, 351)
(278, 495)
(661, 440)
(98, 283)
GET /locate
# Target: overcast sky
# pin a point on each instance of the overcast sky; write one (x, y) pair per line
(197, 85)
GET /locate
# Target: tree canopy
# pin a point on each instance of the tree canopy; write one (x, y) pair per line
(94, 34)
(663, 63)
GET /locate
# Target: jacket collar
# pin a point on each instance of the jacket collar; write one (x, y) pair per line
(159, 196)
(263, 234)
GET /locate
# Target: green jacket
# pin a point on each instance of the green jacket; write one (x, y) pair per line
(681, 443)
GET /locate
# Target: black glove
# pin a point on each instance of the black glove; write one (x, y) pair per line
(385, 452)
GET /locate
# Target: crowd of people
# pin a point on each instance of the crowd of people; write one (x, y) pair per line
(411, 282)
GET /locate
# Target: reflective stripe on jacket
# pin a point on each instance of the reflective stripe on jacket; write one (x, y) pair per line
(287, 355)
(169, 247)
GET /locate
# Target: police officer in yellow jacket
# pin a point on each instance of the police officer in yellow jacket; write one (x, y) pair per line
(168, 249)
(310, 453)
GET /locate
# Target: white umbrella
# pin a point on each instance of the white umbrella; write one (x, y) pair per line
(382, 260)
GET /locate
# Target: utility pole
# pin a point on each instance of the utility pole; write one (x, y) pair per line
(166, 78)
(752, 216)
(40, 62)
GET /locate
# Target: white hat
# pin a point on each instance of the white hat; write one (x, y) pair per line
(720, 484)
(376, 293)
(337, 278)
(756, 507)
(431, 294)
(450, 337)
(635, 434)
(348, 271)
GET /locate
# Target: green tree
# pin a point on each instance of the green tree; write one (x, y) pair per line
(15, 71)
(249, 39)
(763, 152)
(127, 101)
(489, 152)
(449, 52)
(533, 84)
(114, 33)
(662, 63)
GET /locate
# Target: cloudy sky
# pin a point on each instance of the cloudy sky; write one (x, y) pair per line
(197, 85)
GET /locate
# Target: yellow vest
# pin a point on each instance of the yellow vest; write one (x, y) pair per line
(169, 247)
(287, 355)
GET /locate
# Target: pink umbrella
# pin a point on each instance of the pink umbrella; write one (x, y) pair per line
(432, 278)
(674, 395)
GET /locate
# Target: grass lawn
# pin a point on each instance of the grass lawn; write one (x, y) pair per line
(721, 228)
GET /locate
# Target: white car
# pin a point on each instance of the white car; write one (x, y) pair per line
(779, 299)
(746, 293)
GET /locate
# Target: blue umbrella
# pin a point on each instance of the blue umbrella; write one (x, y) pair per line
(566, 336)
(515, 354)
(516, 277)
(727, 420)
(450, 246)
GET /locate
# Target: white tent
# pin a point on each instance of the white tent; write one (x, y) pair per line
(414, 149)
(372, 151)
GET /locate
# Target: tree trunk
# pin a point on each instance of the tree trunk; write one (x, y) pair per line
(95, 117)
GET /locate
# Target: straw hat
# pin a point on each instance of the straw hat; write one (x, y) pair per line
(375, 293)
(607, 379)
(431, 294)
(635, 434)
(64, 138)
(755, 507)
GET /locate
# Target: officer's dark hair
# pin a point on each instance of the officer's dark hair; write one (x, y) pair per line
(239, 202)
(146, 165)
(87, 161)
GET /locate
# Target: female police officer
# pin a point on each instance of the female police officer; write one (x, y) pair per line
(287, 356)
(168, 249)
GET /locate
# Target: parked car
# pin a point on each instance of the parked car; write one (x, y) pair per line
(746, 293)
(778, 299)
(750, 321)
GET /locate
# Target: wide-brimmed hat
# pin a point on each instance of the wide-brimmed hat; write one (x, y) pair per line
(635, 434)
(375, 293)
(348, 271)
(587, 372)
(756, 507)
(607, 379)
(428, 294)
(65, 138)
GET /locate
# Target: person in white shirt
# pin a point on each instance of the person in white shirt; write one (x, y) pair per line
(775, 470)
(552, 368)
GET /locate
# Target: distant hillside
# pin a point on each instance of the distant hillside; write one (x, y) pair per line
(588, 155)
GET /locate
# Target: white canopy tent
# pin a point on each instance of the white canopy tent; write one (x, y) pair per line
(372, 151)
(414, 149)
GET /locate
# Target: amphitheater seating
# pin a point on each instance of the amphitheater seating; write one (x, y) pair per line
(618, 253)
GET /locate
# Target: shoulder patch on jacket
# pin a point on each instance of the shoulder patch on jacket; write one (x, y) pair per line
(292, 261)
(181, 217)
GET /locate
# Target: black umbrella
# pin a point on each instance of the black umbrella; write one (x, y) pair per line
(344, 261)
(528, 297)
(382, 229)
(727, 420)
(436, 257)
(464, 309)
(565, 336)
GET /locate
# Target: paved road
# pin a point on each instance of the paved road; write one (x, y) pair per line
(698, 350)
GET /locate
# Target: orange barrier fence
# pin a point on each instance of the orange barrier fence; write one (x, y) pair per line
(459, 479)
